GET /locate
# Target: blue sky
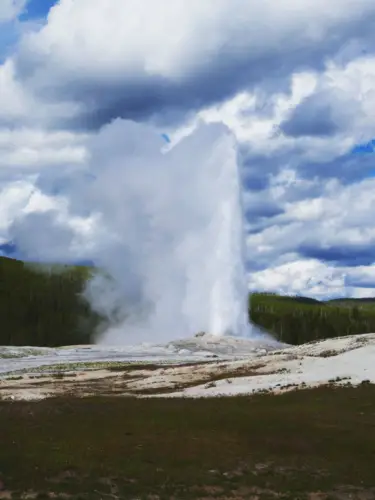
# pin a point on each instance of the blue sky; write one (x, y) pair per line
(366, 148)
(304, 128)
(8, 38)
(10, 31)
(37, 9)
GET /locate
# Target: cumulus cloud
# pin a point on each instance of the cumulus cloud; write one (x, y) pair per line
(341, 103)
(315, 116)
(15, 102)
(20, 107)
(27, 150)
(361, 277)
(314, 278)
(300, 277)
(165, 59)
(312, 128)
(14, 196)
(333, 230)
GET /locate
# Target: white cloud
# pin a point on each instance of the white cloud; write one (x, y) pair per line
(355, 83)
(171, 38)
(32, 149)
(15, 103)
(20, 106)
(307, 277)
(350, 84)
(10, 9)
(339, 108)
(13, 198)
(313, 278)
(337, 225)
(244, 114)
(22, 198)
(141, 59)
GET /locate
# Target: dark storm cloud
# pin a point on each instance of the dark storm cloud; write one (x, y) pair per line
(254, 168)
(347, 168)
(315, 117)
(360, 282)
(159, 99)
(8, 249)
(350, 255)
(259, 225)
(268, 210)
(258, 264)
(254, 179)
(258, 170)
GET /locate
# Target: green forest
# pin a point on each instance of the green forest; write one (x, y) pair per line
(42, 305)
(297, 320)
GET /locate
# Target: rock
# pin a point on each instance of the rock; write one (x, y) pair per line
(205, 354)
(200, 334)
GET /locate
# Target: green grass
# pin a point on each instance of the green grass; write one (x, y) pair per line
(258, 447)
(5, 354)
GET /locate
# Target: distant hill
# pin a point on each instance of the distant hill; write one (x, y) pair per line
(353, 302)
(297, 299)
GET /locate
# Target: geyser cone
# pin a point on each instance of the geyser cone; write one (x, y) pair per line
(173, 237)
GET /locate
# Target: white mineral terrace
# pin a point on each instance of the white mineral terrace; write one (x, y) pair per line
(215, 366)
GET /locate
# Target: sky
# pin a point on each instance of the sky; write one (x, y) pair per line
(293, 81)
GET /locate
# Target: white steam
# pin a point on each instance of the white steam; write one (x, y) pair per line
(165, 228)
(174, 235)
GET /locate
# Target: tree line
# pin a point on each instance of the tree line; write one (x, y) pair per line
(43, 305)
(297, 320)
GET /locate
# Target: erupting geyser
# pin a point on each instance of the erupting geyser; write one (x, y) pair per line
(172, 234)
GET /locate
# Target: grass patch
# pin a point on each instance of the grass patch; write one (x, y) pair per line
(264, 446)
(4, 355)
(21, 353)
(328, 354)
(129, 366)
(61, 375)
(82, 365)
(116, 366)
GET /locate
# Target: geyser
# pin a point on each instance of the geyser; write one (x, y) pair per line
(169, 234)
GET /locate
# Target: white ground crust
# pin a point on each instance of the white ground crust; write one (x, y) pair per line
(230, 367)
